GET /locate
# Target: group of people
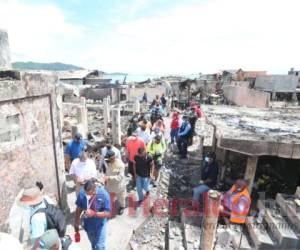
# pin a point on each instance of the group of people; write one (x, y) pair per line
(145, 148)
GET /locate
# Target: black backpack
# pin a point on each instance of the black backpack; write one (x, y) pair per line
(55, 218)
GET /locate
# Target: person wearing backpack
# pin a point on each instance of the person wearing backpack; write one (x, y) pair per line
(94, 203)
(43, 216)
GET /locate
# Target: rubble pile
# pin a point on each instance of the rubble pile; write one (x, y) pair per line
(166, 228)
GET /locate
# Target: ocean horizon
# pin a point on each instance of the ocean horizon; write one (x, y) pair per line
(139, 77)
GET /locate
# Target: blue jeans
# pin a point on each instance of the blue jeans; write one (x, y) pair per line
(173, 134)
(142, 183)
(198, 191)
(97, 237)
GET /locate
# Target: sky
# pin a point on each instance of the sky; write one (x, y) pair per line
(156, 36)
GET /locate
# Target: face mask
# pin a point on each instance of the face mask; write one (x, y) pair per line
(88, 197)
(206, 159)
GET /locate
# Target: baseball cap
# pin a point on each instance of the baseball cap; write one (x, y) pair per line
(157, 137)
(109, 154)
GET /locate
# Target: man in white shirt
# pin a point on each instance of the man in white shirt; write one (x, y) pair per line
(144, 133)
(83, 169)
(104, 150)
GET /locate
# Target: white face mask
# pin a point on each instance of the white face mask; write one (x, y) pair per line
(88, 197)
(206, 159)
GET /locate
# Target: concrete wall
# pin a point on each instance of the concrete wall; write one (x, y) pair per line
(246, 97)
(151, 92)
(96, 94)
(276, 83)
(244, 84)
(4, 50)
(30, 139)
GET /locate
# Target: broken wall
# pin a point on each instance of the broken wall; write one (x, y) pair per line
(30, 139)
(250, 98)
(96, 94)
(138, 92)
(277, 83)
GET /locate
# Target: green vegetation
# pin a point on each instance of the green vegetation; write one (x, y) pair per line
(44, 66)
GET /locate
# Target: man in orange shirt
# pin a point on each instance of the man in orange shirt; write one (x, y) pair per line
(133, 143)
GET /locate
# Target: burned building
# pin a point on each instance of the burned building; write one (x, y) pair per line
(280, 86)
(30, 138)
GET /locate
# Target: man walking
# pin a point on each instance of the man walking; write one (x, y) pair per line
(73, 149)
(144, 133)
(184, 133)
(133, 143)
(175, 125)
(104, 150)
(33, 198)
(83, 169)
(143, 170)
(115, 180)
(94, 202)
(156, 148)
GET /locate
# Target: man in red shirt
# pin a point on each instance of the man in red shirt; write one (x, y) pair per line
(133, 143)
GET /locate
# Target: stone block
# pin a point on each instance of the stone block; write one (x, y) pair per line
(289, 209)
(240, 240)
(280, 229)
(259, 235)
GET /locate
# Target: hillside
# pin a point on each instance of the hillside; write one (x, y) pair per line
(57, 66)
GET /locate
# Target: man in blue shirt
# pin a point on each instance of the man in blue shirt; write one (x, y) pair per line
(95, 203)
(74, 149)
(183, 136)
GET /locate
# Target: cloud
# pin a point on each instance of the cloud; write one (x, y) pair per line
(39, 31)
(205, 37)
(189, 37)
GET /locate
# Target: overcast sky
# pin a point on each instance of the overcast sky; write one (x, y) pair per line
(156, 36)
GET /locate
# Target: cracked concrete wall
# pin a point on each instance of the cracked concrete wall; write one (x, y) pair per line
(30, 139)
(4, 50)
(250, 98)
